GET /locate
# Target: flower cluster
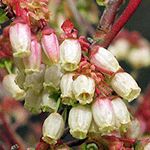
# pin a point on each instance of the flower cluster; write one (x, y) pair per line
(90, 81)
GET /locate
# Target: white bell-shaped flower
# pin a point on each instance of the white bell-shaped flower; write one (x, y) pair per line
(83, 89)
(66, 89)
(120, 49)
(12, 88)
(80, 118)
(140, 57)
(20, 38)
(52, 78)
(70, 54)
(48, 104)
(53, 128)
(121, 112)
(135, 129)
(103, 115)
(105, 61)
(125, 86)
(33, 101)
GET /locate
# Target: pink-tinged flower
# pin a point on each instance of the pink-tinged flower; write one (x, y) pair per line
(122, 115)
(50, 46)
(20, 38)
(70, 54)
(53, 128)
(80, 118)
(125, 86)
(32, 63)
(103, 115)
(105, 61)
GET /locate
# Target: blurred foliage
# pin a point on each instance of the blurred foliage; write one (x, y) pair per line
(3, 16)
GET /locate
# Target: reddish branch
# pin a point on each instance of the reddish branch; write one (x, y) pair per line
(108, 18)
(9, 132)
(125, 16)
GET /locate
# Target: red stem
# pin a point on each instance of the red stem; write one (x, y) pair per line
(126, 15)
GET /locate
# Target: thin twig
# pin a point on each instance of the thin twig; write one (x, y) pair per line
(108, 18)
(123, 19)
(81, 21)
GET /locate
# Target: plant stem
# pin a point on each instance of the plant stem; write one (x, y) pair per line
(10, 133)
(125, 16)
(107, 18)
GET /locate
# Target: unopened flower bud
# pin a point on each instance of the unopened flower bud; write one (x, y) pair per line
(51, 47)
(70, 54)
(80, 118)
(48, 104)
(53, 128)
(52, 78)
(125, 86)
(66, 89)
(122, 115)
(12, 88)
(32, 63)
(105, 61)
(20, 38)
(83, 89)
(103, 115)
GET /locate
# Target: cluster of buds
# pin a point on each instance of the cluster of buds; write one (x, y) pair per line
(49, 74)
(133, 48)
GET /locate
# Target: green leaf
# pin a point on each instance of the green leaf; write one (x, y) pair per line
(5, 63)
(64, 114)
(58, 104)
(101, 2)
(55, 95)
(3, 16)
(8, 65)
(2, 65)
